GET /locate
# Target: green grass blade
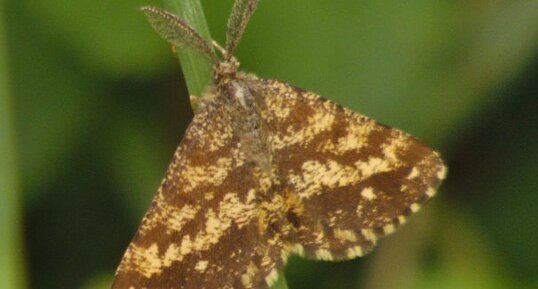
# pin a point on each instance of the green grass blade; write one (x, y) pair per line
(197, 70)
(11, 248)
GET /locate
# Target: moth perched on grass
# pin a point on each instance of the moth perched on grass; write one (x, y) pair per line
(266, 170)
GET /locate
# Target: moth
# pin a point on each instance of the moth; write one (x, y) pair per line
(266, 170)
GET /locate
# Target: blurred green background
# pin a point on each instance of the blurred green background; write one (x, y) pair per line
(93, 104)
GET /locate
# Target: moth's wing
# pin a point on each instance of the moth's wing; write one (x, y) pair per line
(202, 228)
(349, 179)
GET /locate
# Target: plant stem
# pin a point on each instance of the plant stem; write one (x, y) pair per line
(11, 258)
(196, 69)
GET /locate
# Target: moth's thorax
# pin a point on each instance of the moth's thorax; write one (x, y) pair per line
(235, 89)
(241, 100)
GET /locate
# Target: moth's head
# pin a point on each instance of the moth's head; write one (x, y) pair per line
(226, 68)
(182, 35)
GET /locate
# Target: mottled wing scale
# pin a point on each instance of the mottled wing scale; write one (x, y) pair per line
(349, 179)
(202, 230)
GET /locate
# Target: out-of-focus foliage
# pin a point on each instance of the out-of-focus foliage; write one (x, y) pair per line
(11, 256)
(98, 106)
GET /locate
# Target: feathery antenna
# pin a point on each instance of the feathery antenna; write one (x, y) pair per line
(178, 32)
(239, 17)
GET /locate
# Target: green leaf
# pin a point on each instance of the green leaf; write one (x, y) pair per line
(11, 261)
(54, 102)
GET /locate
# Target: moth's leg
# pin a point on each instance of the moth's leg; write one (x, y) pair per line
(221, 49)
(199, 101)
(195, 102)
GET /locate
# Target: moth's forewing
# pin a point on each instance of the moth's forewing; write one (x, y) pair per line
(202, 230)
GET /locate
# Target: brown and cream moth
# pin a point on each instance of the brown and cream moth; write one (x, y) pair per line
(266, 170)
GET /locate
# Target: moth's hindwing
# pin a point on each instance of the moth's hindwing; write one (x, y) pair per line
(349, 180)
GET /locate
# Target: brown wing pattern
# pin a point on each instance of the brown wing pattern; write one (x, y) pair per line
(349, 180)
(202, 230)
